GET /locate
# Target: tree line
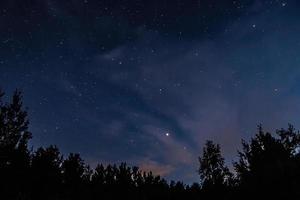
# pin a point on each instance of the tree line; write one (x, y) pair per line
(268, 166)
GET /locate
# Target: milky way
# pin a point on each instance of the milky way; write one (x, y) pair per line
(147, 82)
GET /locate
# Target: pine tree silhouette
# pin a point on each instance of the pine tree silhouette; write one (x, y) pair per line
(14, 154)
(46, 173)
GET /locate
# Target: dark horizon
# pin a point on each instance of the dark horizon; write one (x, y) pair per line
(148, 82)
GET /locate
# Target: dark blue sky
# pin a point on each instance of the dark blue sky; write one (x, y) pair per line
(147, 82)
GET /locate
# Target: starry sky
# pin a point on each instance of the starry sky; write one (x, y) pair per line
(147, 82)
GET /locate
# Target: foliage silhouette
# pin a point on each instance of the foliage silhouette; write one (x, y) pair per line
(46, 173)
(14, 153)
(215, 176)
(267, 167)
(213, 171)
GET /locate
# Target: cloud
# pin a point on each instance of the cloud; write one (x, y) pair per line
(157, 168)
(204, 90)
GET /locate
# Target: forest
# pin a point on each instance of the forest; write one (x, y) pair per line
(267, 166)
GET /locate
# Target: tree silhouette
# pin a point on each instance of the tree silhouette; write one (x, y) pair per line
(75, 174)
(267, 164)
(215, 176)
(290, 138)
(14, 154)
(98, 184)
(212, 170)
(46, 173)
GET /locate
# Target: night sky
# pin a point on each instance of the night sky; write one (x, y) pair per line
(147, 82)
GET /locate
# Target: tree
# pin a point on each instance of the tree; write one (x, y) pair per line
(98, 184)
(75, 176)
(14, 153)
(98, 177)
(213, 172)
(290, 138)
(14, 134)
(268, 163)
(46, 173)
